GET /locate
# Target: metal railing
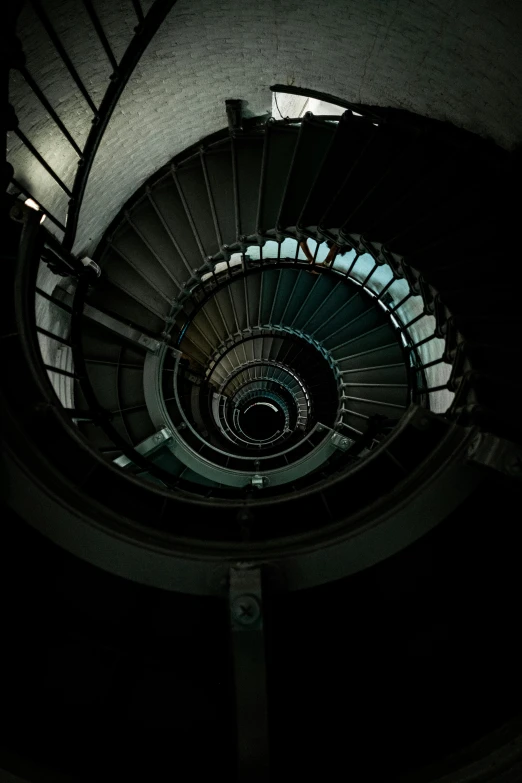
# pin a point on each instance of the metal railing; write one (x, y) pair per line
(226, 467)
(391, 455)
(67, 366)
(59, 336)
(421, 352)
(147, 26)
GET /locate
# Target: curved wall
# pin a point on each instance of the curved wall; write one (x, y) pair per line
(451, 61)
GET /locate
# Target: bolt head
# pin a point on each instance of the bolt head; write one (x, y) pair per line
(245, 610)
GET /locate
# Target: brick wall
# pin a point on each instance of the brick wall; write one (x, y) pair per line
(456, 61)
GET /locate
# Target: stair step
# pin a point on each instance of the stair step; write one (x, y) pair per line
(269, 280)
(314, 305)
(353, 305)
(391, 394)
(169, 205)
(248, 155)
(303, 284)
(390, 353)
(112, 298)
(426, 160)
(354, 326)
(369, 188)
(146, 220)
(351, 137)
(336, 297)
(287, 281)
(315, 138)
(393, 373)
(192, 183)
(278, 153)
(219, 170)
(125, 277)
(375, 338)
(134, 252)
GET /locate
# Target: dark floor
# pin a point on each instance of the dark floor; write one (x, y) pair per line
(371, 677)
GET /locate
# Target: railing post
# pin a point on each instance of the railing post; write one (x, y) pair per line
(248, 652)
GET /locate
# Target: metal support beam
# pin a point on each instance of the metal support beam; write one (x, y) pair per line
(342, 442)
(143, 340)
(214, 467)
(144, 33)
(497, 453)
(95, 19)
(55, 38)
(130, 333)
(248, 652)
(147, 447)
(234, 110)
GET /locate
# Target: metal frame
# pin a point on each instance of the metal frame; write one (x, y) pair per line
(66, 512)
(409, 348)
(275, 330)
(144, 32)
(143, 35)
(421, 498)
(296, 470)
(248, 655)
(258, 268)
(320, 484)
(218, 471)
(422, 501)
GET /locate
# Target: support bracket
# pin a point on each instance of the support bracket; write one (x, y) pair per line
(148, 446)
(496, 453)
(248, 651)
(341, 442)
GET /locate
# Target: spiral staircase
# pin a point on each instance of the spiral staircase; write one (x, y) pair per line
(333, 354)
(278, 395)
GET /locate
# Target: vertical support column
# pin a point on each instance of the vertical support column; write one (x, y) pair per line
(248, 650)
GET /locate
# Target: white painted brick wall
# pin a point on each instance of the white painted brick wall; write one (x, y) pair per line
(456, 61)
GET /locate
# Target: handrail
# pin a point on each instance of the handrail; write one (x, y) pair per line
(256, 362)
(223, 279)
(220, 472)
(275, 330)
(26, 277)
(248, 392)
(143, 35)
(257, 458)
(458, 138)
(101, 416)
(135, 49)
(34, 236)
(147, 27)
